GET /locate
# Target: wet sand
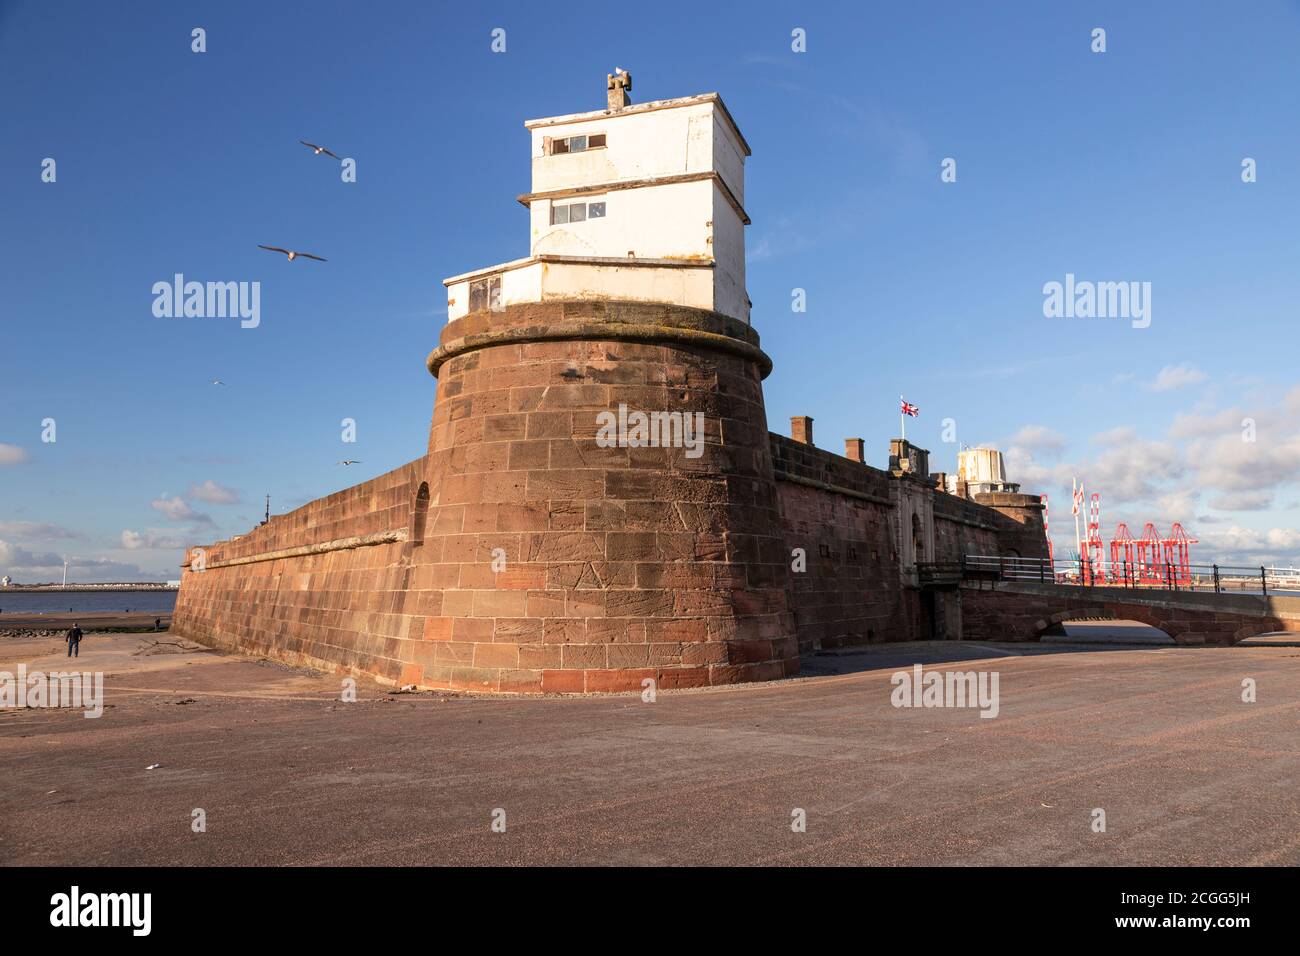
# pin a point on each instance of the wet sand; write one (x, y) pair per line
(89, 621)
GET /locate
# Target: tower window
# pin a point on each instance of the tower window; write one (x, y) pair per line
(577, 144)
(485, 293)
(576, 212)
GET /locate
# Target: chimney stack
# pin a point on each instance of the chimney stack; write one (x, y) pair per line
(801, 429)
(853, 450)
(617, 86)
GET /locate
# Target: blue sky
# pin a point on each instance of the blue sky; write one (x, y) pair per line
(1115, 166)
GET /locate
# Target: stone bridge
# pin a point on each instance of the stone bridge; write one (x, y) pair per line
(1025, 611)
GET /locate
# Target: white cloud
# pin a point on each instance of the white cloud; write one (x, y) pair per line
(31, 530)
(1132, 469)
(12, 557)
(1228, 421)
(152, 539)
(1243, 501)
(1033, 476)
(30, 567)
(11, 455)
(1178, 505)
(178, 509)
(213, 493)
(1250, 546)
(1230, 464)
(1115, 436)
(1177, 376)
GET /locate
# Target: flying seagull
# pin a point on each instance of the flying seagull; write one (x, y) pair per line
(350, 461)
(290, 253)
(217, 381)
(318, 149)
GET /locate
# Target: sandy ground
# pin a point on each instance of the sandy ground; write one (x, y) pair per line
(286, 773)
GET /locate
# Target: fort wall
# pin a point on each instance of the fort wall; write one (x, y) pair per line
(856, 588)
(523, 553)
(841, 513)
(624, 563)
(328, 585)
(527, 551)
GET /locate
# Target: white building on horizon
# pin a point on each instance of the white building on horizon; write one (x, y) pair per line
(983, 470)
(639, 202)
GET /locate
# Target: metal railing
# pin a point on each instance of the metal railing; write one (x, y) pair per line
(1216, 578)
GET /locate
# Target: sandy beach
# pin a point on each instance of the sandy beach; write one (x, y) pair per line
(88, 620)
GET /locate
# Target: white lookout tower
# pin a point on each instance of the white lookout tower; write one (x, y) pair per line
(639, 202)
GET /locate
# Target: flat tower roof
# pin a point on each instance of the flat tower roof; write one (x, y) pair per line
(644, 108)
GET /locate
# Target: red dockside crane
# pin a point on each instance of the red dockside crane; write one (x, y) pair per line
(1150, 555)
(1178, 555)
(1121, 555)
(1094, 569)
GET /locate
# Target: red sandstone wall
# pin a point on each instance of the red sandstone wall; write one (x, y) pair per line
(1020, 522)
(962, 527)
(851, 592)
(843, 514)
(356, 610)
(623, 563)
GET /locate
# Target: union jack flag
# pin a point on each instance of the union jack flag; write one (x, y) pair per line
(910, 409)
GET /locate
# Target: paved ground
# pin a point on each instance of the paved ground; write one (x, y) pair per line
(1156, 736)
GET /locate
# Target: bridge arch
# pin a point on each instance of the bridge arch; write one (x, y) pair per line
(1054, 623)
(1012, 610)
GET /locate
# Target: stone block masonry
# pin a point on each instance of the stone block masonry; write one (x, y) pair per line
(532, 559)
(622, 563)
(330, 585)
(1026, 611)
(523, 555)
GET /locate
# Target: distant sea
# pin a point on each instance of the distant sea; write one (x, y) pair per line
(59, 602)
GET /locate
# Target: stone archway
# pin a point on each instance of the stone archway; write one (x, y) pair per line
(1053, 624)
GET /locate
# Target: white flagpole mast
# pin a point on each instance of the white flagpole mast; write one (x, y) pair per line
(902, 420)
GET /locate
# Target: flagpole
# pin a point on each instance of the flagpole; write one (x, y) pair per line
(902, 420)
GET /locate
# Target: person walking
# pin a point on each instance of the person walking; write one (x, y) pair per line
(74, 640)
